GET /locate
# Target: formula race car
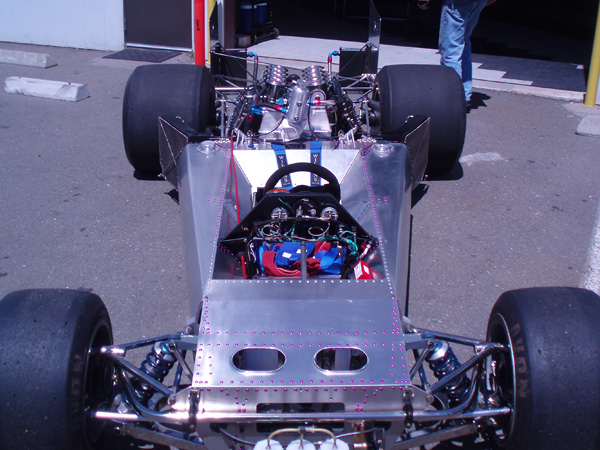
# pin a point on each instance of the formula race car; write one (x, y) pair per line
(295, 190)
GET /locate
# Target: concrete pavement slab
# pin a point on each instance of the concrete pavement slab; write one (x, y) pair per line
(496, 75)
(557, 94)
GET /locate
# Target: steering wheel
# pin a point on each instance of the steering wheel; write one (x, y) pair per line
(333, 187)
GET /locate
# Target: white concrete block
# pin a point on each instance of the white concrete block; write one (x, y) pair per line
(589, 126)
(58, 90)
(42, 60)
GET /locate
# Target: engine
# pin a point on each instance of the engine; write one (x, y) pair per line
(287, 107)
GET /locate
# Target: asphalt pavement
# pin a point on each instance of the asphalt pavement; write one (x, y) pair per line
(523, 208)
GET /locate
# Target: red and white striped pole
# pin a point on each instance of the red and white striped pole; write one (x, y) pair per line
(199, 32)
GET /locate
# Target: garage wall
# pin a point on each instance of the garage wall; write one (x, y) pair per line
(89, 24)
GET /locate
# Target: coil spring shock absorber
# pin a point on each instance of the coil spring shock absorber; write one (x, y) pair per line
(345, 106)
(157, 364)
(443, 361)
(349, 113)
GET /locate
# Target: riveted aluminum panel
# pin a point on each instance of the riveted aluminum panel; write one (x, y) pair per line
(203, 181)
(298, 318)
(299, 328)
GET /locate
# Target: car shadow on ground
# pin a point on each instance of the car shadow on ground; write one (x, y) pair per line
(418, 193)
(421, 189)
(454, 174)
(174, 194)
(143, 176)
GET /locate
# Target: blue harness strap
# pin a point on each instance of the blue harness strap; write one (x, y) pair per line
(286, 180)
(315, 158)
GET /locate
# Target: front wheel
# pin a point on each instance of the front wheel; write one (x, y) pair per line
(49, 377)
(550, 376)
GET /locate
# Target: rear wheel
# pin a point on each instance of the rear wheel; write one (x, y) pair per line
(180, 90)
(50, 379)
(550, 376)
(426, 90)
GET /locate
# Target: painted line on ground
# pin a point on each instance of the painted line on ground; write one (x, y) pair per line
(481, 157)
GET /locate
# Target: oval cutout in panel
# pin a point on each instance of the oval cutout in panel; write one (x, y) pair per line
(341, 359)
(258, 359)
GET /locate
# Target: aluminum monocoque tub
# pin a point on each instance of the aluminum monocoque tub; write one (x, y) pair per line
(292, 320)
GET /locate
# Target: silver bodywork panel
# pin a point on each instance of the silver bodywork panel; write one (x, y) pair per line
(297, 317)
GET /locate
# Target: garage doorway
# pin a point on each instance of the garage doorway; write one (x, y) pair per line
(162, 24)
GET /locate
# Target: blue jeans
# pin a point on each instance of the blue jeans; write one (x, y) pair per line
(459, 18)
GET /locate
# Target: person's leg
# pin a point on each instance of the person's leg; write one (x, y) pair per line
(457, 22)
(472, 17)
(452, 36)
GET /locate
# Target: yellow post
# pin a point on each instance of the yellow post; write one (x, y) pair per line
(592, 87)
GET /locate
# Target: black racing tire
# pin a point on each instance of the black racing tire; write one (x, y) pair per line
(551, 378)
(426, 90)
(48, 378)
(182, 90)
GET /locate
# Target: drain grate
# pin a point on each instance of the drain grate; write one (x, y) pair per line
(136, 54)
